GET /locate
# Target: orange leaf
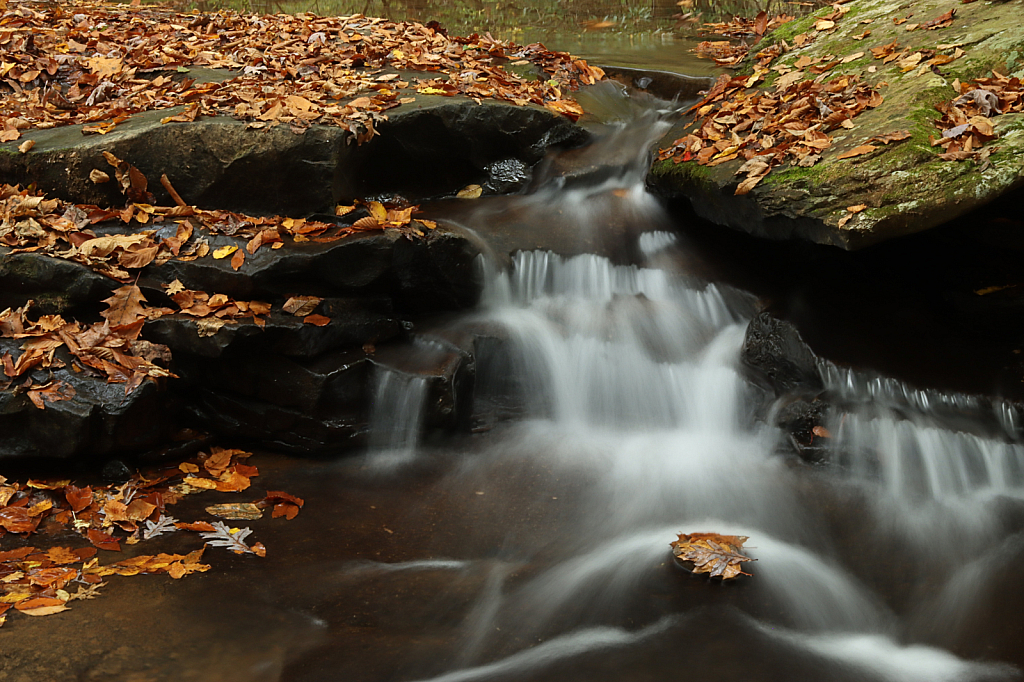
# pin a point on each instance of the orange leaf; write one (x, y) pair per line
(103, 541)
(317, 320)
(857, 151)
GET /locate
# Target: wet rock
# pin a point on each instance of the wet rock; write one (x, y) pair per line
(99, 420)
(904, 185)
(798, 418)
(283, 334)
(507, 176)
(662, 84)
(434, 146)
(325, 404)
(425, 274)
(778, 357)
(55, 285)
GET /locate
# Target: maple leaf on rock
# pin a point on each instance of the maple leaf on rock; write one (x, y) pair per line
(711, 553)
(126, 305)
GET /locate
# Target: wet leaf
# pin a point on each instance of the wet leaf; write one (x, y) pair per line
(125, 305)
(316, 320)
(231, 538)
(237, 511)
(301, 306)
(225, 251)
(711, 553)
(470, 192)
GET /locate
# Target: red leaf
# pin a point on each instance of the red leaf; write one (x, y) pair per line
(104, 541)
(78, 498)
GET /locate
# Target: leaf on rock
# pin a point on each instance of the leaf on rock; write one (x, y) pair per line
(236, 511)
(711, 553)
(301, 306)
(857, 151)
(225, 251)
(316, 320)
(232, 538)
(125, 305)
(470, 192)
(164, 524)
(103, 541)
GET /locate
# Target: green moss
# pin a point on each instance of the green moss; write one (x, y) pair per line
(685, 172)
(53, 304)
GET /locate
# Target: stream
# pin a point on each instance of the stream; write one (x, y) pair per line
(612, 414)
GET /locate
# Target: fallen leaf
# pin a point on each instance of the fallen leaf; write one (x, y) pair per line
(225, 251)
(301, 306)
(236, 511)
(470, 192)
(711, 553)
(317, 320)
(857, 151)
(26, 146)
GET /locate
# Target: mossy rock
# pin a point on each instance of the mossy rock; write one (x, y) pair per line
(906, 187)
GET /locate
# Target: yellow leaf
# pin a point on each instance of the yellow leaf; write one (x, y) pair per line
(377, 210)
(225, 251)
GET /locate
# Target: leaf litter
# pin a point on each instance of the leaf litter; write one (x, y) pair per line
(38, 582)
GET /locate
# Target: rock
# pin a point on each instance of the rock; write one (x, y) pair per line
(55, 285)
(98, 421)
(799, 418)
(778, 357)
(662, 84)
(324, 404)
(283, 334)
(434, 146)
(905, 186)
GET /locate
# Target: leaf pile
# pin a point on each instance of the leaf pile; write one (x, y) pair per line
(967, 122)
(97, 64)
(112, 350)
(38, 582)
(711, 553)
(769, 127)
(728, 54)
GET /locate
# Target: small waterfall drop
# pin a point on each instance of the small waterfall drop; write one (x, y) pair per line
(636, 413)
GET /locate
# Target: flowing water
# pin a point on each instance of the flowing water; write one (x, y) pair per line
(635, 423)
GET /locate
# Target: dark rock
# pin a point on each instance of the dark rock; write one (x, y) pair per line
(282, 334)
(776, 354)
(433, 147)
(507, 176)
(325, 404)
(55, 285)
(662, 84)
(798, 418)
(99, 420)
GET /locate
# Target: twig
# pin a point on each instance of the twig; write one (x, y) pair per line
(170, 190)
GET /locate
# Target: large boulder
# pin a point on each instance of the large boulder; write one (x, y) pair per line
(905, 186)
(432, 146)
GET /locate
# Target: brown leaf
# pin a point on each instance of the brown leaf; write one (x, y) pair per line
(711, 553)
(821, 432)
(470, 192)
(236, 511)
(78, 498)
(301, 306)
(857, 151)
(103, 541)
(237, 260)
(125, 305)
(316, 320)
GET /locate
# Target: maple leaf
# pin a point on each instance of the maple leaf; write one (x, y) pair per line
(232, 538)
(125, 305)
(711, 553)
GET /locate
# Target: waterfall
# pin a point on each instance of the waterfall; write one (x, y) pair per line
(639, 425)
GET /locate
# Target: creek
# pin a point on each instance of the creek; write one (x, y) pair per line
(612, 413)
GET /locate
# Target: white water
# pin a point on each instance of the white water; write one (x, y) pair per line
(630, 376)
